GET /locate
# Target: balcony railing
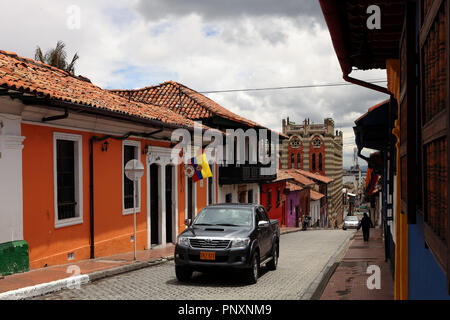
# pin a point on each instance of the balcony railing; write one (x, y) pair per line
(233, 174)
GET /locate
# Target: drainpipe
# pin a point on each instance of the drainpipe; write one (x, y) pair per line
(366, 84)
(91, 196)
(91, 184)
(63, 116)
(384, 196)
(91, 177)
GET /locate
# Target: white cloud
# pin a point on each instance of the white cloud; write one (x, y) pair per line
(125, 44)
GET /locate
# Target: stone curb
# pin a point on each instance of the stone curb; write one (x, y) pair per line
(315, 289)
(309, 229)
(70, 282)
(44, 288)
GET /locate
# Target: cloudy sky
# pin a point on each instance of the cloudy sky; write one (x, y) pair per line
(206, 45)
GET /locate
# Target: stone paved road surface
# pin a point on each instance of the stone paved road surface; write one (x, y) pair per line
(302, 257)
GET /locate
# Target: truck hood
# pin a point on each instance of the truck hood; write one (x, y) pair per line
(217, 232)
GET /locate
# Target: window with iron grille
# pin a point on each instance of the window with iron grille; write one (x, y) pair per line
(210, 190)
(320, 162)
(299, 161)
(434, 118)
(269, 200)
(278, 197)
(313, 165)
(68, 179)
(130, 150)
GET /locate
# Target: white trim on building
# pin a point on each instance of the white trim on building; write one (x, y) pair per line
(136, 144)
(11, 196)
(78, 147)
(162, 157)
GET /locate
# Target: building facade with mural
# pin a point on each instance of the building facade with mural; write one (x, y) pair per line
(316, 148)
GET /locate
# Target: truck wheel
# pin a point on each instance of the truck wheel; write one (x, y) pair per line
(272, 264)
(183, 274)
(253, 272)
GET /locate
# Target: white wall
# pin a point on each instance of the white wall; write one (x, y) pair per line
(234, 190)
(314, 211)
(11, 206)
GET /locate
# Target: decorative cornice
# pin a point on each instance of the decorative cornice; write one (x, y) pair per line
(12, 142)
(159, 155)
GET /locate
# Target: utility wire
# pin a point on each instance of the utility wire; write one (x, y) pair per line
(290, 87)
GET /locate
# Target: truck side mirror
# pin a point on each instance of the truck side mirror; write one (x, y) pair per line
(263, 223)
(187, 222)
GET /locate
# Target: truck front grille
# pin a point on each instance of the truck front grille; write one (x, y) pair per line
(209, 244)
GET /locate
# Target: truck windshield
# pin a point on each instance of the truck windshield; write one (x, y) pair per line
(225, 217)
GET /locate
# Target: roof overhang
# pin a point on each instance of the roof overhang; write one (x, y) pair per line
(373, 129)
(156, 129)
(355, 44)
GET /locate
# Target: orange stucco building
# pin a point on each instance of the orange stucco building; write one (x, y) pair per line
(51, 243)
(65, 193)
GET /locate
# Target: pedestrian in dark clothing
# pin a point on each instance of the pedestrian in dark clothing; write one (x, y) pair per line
(365, 224)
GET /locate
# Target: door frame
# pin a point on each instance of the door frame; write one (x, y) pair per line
(194, 198)
(162, 157)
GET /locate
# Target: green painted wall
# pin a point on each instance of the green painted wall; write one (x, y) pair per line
(14, 257)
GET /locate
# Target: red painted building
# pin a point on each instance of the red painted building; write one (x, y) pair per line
(274, 195)
(274, 200)
(322, 184)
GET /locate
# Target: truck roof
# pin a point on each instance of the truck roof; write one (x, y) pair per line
(227, 205)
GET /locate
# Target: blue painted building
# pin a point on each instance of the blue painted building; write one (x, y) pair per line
(412, 42)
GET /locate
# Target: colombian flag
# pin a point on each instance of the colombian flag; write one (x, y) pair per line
(371, 181)
(201, 168)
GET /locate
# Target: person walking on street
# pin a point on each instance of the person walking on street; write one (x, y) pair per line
(365, 224)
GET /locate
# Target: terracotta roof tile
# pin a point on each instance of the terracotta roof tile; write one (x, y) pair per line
(30, 76)
(315, 176)
(185, 101)
(316, 195)
(282, 176)
(293, 187)
(298, 177)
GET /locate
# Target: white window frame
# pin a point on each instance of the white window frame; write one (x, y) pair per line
(78, 139)
(136, 144)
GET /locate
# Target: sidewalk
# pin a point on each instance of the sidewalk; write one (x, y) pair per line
(284, 230)
(349, 280)
(45, 280)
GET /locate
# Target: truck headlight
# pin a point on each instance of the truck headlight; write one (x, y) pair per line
(183, 241)
(240, 243)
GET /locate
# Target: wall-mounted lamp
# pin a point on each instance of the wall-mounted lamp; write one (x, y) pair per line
(145, 151)
(105, 146)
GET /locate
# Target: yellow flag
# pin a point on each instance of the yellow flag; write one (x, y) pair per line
(203, 162)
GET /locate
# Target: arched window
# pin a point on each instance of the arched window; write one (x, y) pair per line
(292, 160)
(298, 161)
(313, 165)
(320, 162)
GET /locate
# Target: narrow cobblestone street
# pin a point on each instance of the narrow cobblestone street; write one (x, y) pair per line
(303, 255)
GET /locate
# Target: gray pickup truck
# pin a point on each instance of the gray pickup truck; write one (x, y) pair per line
(238, 236)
